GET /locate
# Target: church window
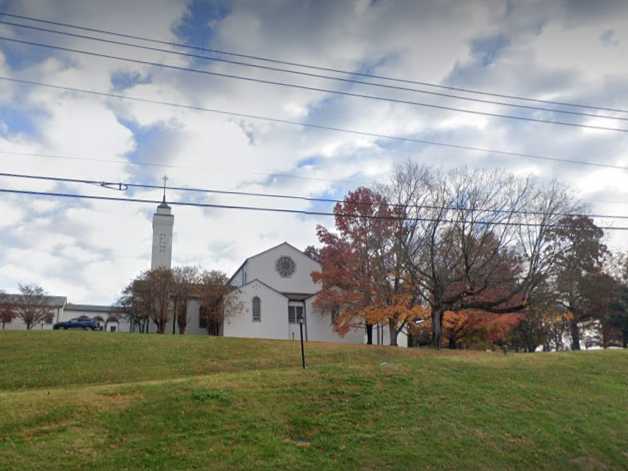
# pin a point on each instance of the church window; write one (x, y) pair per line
(285, 266)
(294, 314)
(257, 309)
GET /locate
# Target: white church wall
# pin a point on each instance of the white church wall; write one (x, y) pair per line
(320, 328)
(194, 326)
(274, 314)
(262, 267)
(122, 325)
(19, 324)
(237, 280)
(381, 336)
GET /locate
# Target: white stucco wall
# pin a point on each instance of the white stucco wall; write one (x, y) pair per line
(18, 324)
(381, 336)
(121, 326)
(320, 328)
(258, 276)
(262, 267)
(274, 314)
(274, 318)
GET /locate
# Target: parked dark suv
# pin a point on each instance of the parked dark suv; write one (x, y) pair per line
(83, 324)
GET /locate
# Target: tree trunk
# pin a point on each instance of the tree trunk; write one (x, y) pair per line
(575, 334)
(624, 338)
(437, 327)
(392, 331)
(452, 343)
(369, 334)
(174, 318)
(182, 319)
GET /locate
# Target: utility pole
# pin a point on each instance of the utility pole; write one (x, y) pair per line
(302, 349)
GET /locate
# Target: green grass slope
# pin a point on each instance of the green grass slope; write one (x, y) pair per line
(75, 400)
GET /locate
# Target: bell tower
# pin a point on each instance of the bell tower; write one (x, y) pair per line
(163, 223)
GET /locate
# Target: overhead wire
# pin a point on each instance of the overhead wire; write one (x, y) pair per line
(123, 186)
(316, 126)
(279, 210)
(314, 67)
(311, 88)
(315, 75)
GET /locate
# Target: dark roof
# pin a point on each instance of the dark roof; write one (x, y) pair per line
(163, 204)
(52, 301)
(263, 284)
(299, 296)
(92, 308)
(290, 296)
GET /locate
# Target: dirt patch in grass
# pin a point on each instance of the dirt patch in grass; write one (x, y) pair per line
(588, 463)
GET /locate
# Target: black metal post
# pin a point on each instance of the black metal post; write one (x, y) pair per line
(302, 349)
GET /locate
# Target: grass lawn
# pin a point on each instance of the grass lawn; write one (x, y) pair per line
(85, 400)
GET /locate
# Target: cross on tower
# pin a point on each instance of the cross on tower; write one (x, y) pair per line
(165, 180)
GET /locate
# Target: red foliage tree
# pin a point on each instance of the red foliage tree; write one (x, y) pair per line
(361, 268)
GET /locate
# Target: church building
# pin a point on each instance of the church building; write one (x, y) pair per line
(273, 291)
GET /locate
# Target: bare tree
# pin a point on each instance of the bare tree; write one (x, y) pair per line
(31, 306)
(185, 280)
(213, 290)
(148, 298)
(134, 304)
(474, 239)
(160, 285)
(7, 308)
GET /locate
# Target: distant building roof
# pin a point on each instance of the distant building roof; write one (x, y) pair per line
(92, 308)
(52, 301)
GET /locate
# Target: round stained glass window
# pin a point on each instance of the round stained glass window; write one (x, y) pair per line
(285, 266)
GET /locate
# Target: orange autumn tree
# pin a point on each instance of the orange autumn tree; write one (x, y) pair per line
(463, 329)
(362, 275)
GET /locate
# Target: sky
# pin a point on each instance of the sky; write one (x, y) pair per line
(569, 51)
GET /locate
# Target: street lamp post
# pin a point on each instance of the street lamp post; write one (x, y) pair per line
(302, 349)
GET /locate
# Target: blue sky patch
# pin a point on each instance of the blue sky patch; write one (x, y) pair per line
(195, 26)
(123, 80)
(486, 49)
(20, 122)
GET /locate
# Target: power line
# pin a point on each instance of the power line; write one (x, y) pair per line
(139, 163)
(314, 75)
(123, 186)
(317, 126)
(142, 163)
(270, 174)
(279, 210)
(313, 89)
(316, 67)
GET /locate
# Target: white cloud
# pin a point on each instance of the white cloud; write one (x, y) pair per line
(90, 250)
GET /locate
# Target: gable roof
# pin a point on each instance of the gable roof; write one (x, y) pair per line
(50, 301)
(264, 252)
(263, 284)
(92, 308)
